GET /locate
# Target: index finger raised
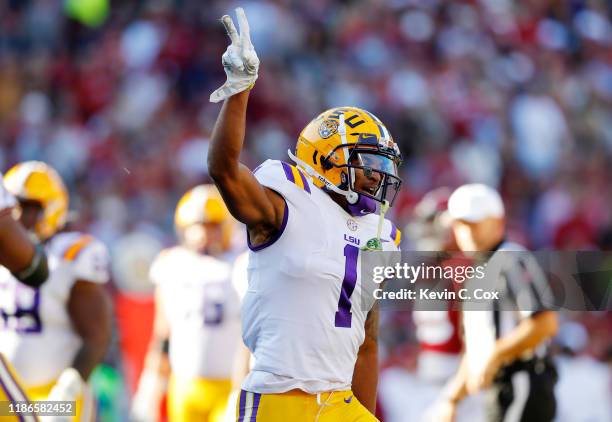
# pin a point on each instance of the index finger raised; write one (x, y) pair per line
(228, 23)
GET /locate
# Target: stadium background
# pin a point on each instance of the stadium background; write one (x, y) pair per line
(114, 94)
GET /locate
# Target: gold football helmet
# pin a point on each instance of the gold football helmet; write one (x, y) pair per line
(343, 139)
(37, 181)
(200, 205)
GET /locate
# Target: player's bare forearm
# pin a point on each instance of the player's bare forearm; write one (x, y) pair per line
(26, 261)
(157, 359)
(241, 366)
(365, 375)
(528, 335)
(16, 248)
(227, 138)
(456, 388)
(90, 311)
(247, 200)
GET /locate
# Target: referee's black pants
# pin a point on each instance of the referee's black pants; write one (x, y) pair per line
(523, 391)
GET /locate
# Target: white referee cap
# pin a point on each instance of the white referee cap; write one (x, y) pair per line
(475, 202)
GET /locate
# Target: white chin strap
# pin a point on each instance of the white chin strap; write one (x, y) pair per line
(351, 196)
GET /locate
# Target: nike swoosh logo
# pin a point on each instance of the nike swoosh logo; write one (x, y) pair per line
(347, 401)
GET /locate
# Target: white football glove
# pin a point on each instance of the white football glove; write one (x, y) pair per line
(240, 61)
(148, 396)
(69, 387)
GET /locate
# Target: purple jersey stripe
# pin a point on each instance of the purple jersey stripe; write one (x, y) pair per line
(241, 406)
(9, 397)
(257, 168)
(4, 364)
(393, 232)
(256, 398)
(276, 236)
(288, 172)
(304, 181)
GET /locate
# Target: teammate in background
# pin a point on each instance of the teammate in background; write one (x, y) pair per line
(196, 331)
(505, 350)
(55, 335)
(27, 262)
(311, 330)
(437, 331)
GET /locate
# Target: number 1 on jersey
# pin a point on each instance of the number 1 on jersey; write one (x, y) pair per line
(343, 314)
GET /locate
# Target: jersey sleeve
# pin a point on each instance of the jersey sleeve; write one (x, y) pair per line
(90, 260)
(7, 201)
(284, 178)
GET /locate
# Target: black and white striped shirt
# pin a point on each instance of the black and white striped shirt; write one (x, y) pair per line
(524, 291)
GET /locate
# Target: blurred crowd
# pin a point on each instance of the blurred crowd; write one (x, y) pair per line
(517, 95)
(513, 94)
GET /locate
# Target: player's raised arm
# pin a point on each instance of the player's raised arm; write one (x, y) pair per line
(248, 201)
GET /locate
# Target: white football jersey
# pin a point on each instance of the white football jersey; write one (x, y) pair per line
(36, 333)
(7, 200)
(202, 307)
(303, 314)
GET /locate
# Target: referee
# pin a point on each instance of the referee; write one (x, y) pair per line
(505, 350)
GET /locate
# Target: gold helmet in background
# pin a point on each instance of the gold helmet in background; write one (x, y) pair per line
(201, 205)
(39, 182)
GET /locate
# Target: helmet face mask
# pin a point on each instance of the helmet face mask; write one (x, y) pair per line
(374, 162)
(388, 184)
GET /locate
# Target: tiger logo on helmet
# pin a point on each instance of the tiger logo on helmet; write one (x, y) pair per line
(201, 205)
(339, 141)
(39, 182)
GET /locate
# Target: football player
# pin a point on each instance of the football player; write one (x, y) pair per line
(196, 330)
(55, 335)
(436, 330)
(311, 328)
(27, 262)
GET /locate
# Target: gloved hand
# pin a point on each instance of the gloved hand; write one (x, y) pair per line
(240, 61)
(69, 387)
(148, 396)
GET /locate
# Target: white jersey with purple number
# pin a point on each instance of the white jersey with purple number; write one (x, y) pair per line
(202, 307)
(303, 313)
(7, 201)
(36, 333)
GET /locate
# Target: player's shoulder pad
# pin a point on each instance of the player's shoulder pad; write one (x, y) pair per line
(87, 256)
(282, 177)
